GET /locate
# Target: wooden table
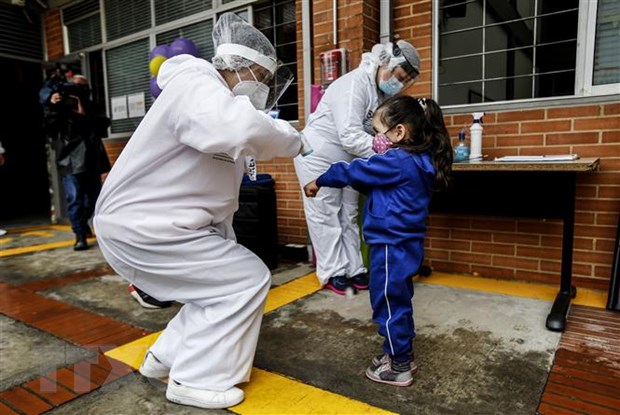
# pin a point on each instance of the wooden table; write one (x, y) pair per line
(522, 189)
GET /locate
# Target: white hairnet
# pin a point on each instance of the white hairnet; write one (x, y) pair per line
(240, 45)
(402, 54)
(251, 46)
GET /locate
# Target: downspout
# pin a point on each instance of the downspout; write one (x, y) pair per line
(335, 36)
(306, 29)
(385, 21)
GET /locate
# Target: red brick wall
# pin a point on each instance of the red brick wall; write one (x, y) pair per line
(53, 35)
(531, 249)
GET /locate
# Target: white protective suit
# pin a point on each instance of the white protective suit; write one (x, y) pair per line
(339, 129)
(164, 220)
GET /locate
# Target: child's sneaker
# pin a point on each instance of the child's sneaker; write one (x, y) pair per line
(385, 358)
(390, 375)
(338, 284)
(360, 281)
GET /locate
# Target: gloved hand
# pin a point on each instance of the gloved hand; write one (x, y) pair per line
(381, 143)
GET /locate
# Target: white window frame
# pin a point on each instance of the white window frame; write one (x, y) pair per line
(584, 90)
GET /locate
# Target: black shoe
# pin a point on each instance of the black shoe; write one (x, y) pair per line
(360, 281)
(339, 284)
(146, 300)
(80, 243)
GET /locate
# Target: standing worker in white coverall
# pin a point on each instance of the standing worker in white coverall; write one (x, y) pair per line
(164, 216)
(340, 130)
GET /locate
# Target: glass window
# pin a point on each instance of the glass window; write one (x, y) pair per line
(498, 50)
(83, 23)
(199, 33)
(607, 43)
(123, 18)
(167, 11)
(128, 73)
(276, 20)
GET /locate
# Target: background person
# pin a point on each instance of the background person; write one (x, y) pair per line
(340, 130)
(75, 128)
(399, 185)
(164, 217)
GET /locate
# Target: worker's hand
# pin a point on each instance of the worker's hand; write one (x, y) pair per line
(55, 98)
(311, 189)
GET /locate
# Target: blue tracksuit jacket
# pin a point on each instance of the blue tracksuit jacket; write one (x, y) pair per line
(399, 188)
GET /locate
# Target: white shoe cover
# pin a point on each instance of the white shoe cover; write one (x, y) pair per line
(153, 368)
(203, 398)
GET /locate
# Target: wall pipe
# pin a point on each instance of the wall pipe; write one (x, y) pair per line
(306, 28)
(385, 21)
(335, 6)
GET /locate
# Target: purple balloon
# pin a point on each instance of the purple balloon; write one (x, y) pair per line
(183, 46)
(155, 89)
(160, 50)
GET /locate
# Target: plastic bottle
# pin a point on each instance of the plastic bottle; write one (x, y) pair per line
(476, 136)
(461, 151)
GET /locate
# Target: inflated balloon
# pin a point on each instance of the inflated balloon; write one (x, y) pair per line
(155, 64)
(160, 50)
(155, 89)
(183, 46)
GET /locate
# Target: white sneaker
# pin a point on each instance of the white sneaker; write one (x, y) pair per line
(203, 398)
(2, 232)
(153, 368)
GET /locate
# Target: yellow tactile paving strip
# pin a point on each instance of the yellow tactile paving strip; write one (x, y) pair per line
(43, 232)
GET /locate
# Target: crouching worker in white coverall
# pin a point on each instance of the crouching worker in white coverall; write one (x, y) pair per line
(164, 216)
(340, 130)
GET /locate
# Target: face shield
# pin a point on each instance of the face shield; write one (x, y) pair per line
(265, 80)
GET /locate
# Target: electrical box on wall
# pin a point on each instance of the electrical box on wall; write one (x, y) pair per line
(334, 64)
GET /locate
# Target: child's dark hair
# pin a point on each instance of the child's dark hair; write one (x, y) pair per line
(428, 133)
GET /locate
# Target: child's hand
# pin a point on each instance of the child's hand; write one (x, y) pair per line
(311, 189)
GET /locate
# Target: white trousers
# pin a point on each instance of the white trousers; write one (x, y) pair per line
(210, 344)
(334, 232)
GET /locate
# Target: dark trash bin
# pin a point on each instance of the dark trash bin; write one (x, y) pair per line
(256, 222)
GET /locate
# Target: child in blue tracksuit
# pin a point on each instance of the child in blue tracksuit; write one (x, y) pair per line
(399, 184)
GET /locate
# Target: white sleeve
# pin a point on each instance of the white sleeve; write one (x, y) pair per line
(349, 110)
(211, 119)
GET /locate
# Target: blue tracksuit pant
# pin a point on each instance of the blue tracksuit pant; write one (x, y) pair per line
(391, 293)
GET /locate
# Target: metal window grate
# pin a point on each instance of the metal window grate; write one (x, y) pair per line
(607, 44)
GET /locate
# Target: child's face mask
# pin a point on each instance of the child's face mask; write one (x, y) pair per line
(380, 144)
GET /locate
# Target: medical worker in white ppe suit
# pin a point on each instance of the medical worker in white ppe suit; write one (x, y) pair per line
(164, 216)
(340, 130)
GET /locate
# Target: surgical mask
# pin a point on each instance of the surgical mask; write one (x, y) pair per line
(256, 91)
(381, 144)
(391, 87)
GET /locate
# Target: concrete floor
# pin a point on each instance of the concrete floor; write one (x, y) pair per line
(478, 353)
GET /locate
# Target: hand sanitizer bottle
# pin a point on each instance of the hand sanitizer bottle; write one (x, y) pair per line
(461, 151)
(476, 136)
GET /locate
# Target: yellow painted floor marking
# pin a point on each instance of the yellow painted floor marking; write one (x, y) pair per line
(43, 234)
(291, 291)
(132, 353)
(269, 393)
(40, 247)
(587, 297)
(5, 240)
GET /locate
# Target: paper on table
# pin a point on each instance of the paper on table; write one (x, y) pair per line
(542, 158)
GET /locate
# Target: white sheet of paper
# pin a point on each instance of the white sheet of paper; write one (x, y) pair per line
(119, 107)
(135, 102)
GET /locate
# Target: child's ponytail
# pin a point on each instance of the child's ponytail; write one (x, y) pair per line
(441, 148)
